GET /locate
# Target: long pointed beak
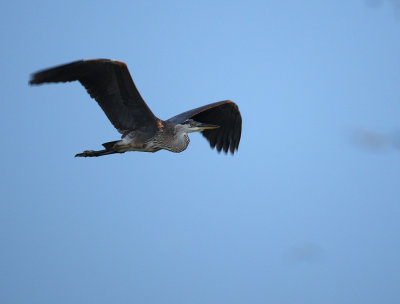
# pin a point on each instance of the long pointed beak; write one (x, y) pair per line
(204, 126)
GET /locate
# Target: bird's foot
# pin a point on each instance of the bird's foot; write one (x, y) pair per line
(86, 153)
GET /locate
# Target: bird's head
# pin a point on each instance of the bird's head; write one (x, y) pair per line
(190, 125)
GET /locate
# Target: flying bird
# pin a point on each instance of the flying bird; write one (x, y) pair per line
(110, 84)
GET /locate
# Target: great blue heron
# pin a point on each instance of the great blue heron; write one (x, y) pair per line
(111, 85)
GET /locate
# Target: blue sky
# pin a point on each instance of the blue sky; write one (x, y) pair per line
(306, 212)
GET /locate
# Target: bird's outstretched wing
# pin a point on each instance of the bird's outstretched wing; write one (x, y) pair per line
(111, 85)
(224, 114)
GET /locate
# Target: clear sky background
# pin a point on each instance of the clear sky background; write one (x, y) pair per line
(306, 212)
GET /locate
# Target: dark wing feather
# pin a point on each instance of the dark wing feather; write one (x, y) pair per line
(111, 85)
(224, 114)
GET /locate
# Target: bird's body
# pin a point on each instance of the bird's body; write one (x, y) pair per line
(169, 137)
(109, 82)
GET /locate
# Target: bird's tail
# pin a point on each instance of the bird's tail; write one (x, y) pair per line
(109, 145)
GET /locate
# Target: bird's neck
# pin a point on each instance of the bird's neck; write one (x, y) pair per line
(181, 141)
(172, 139)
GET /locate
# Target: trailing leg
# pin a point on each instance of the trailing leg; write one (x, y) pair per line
(91, 153)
